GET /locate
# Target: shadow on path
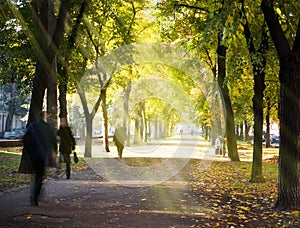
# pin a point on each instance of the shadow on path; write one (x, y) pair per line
(87, 200)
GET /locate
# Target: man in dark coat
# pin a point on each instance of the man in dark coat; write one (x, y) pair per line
(39, 143)
(119, 139)
(67, 144)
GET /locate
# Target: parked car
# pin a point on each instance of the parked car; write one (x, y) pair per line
(17, 134)
(275, 141)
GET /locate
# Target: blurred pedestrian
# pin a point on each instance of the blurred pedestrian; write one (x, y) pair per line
(40, 144)
(219, 145)
(67, 144)
(119, 139)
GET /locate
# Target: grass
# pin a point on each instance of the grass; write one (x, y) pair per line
(10, 159)
(9, 165)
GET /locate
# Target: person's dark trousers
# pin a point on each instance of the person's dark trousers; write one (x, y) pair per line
(67, 160)
(38, 166)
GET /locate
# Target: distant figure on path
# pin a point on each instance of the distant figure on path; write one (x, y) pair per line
(119, 139)
(219, 145)
(67, 144)
(39, 143)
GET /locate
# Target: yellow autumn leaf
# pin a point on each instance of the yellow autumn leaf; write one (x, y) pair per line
(244, 208)
(241, 27)
(295, 213)
(278, 11)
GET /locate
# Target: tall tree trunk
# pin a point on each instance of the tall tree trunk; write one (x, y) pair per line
(126, 118)
(51, 72)
(88, 121)
(88, 138)
(48, 43)
(52, 96)
(11, 108)
(145, 125)
(38, 93)
(230, 130)
(259, 86)
(62, 68)
(247, 128)
(63, 111)
(136, 138)
(156, 128)
(289, 149)
(289, 77)
(105, 121)
(267, 136)
(256, 174)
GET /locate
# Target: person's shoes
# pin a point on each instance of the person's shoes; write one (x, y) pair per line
(33, 202)
(68, 177)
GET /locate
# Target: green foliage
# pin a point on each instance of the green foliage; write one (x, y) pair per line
(16, 59)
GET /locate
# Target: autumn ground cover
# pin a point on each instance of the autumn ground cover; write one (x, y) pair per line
(221, 193)
(9, 164)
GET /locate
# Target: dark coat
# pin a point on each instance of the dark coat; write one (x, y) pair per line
(67, 140)
(39, 144)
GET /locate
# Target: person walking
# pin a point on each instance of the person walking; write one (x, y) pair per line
(67, 144)
(119, 139)
(40, 144)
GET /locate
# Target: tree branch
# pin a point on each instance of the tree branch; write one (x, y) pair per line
(277, 34)
(191, 7)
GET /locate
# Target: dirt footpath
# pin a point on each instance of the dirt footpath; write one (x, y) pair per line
(87, 200)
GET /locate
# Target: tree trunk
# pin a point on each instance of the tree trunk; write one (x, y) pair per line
(62, 68)
(88, 118)
(267, 136)
(229, 120)
(49, 43)
(259, 86)
(289, 149)
(63, 111)
(38, 93)
(136, 138)
(52, 96)
(247, 128)
(126, 118)
(105, 121)
(156, 128)
(256, 174)
(289, 77)
(88, 138)
(11, 108)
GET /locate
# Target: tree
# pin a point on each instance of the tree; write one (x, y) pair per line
(197, 22)
(16, 68)
(45, 32)
(288, 49)
(105, 29)
(258, 59)
(64, 59)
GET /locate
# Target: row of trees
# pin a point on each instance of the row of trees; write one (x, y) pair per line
(235, 39)
(246, 29)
